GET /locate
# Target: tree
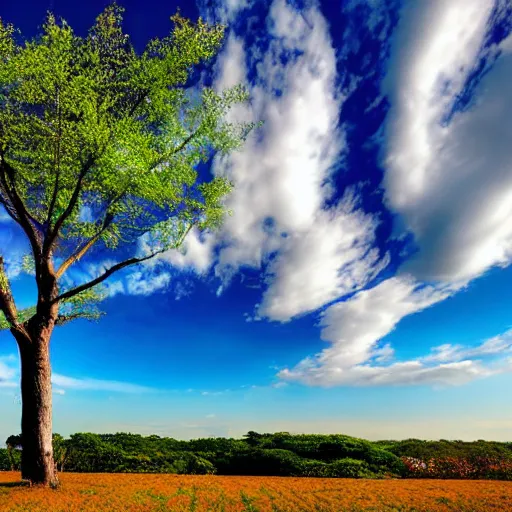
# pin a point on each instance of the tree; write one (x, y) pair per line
(99, 146)
(60, 451)
(13, 443)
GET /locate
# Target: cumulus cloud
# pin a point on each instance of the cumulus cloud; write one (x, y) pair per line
(354, 327)
(224, 11)
(141, 280)
(309, 254)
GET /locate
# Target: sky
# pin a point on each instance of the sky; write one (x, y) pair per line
(362, 284)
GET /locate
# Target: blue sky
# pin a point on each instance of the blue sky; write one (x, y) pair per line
(362, 285)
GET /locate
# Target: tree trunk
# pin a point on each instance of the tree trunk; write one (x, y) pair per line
(37, 464)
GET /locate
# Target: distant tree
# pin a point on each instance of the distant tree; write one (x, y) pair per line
(13, 443)
(98, 146)
(60, 451)
(253, 438)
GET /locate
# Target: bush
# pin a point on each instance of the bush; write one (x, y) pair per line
(200, 466)
(382, 461)
(349, 468)
(312, 468)
(260, 462)
(5, 463)
(457, 467)
(10, 459)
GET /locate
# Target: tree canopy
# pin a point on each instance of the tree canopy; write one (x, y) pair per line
(100, 145)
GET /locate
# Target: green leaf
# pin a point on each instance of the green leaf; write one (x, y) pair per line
(105, 141)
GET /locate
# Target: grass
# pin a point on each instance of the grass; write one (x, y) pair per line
(189, 493)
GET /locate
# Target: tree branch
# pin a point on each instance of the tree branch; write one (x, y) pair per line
(54, 232)
(56, 163)
(79, 253)
(62, 319)
(12, 193)
(192, 136)
(8, 208)
(116, 268)
(24, 218)
(7, 305)
(108, 273)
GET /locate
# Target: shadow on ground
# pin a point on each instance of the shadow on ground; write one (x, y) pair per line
(14, 484)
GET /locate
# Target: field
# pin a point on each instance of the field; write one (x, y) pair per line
(148, 493)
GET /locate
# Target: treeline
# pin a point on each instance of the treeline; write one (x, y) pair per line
(278, 454)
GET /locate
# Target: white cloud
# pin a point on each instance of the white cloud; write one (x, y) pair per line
(282, 175)
(183, 289)
(497, 345)
(355, 327)
(8, 372)
(452, 182)
(140, 280)
(114, 287)
(282, 179)
(196, 253)
(224, 11)
(231, 65)
(331, 259)
(97, 385)
(146, 283)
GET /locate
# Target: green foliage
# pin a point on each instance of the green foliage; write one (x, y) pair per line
(23, 316)
(4, 324)
(101, 144)
(349, 468)
(424, 450)
(133, 453)
(83, 305)
(13, 452)
(10, 460)
(60, 451)
(94, 102)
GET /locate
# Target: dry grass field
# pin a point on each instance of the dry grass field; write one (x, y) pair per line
(151, 493)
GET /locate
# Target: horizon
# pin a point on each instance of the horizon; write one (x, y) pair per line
(362, 283)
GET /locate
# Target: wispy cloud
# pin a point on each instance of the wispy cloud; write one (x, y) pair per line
(311, 255)
(8, 371)
(355, 327)
(88, 384)
(141, 280)
(497, 345)
(449, 175)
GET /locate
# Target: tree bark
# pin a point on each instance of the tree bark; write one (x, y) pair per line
(37, 464)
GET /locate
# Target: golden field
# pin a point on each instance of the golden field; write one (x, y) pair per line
(180, 493)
